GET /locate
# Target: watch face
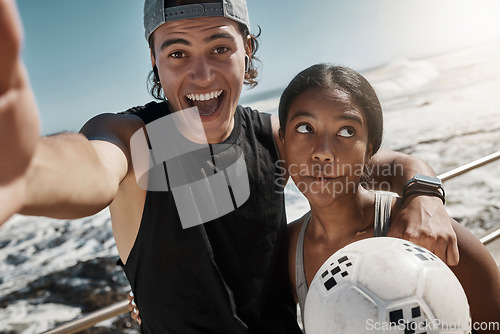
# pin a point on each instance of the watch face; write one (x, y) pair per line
(427, 180)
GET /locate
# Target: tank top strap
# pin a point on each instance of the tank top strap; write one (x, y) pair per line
(382, 222)
(300, 274)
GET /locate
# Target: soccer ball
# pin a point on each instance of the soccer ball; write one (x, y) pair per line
(385, 285)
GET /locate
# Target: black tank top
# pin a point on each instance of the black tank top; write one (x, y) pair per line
(229, 275)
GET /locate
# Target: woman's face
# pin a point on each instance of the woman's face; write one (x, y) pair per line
(326, 144)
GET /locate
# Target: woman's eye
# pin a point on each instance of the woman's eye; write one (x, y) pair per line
(221, 50)
(177, 54)
(346, 132)
(304, 128)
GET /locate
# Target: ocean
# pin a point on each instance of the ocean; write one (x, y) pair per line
(444, 109)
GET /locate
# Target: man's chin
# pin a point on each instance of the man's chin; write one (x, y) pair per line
(217, 130)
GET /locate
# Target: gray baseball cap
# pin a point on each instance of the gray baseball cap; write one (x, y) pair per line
(157, 12)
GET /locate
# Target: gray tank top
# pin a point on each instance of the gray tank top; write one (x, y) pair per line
(381, 225)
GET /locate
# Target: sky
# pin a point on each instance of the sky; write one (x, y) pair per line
(89, 57)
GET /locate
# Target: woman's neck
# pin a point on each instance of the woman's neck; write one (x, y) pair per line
(345, 220)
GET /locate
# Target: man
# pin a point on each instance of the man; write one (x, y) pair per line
(227, 275)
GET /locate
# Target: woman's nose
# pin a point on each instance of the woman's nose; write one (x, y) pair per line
(323, 150)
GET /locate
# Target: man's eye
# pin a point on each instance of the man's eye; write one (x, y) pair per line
(221, 50)
(346, 132)
(304, 128)
(177, 54)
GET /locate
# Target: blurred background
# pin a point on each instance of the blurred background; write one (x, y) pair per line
(86, 58)
(434, 63)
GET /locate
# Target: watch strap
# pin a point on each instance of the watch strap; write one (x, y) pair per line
(424, 185)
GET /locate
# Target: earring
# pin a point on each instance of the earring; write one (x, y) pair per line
(247, 63)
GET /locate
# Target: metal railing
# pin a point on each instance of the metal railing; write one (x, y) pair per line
(122, 307)
(91, 319)
(470, 166)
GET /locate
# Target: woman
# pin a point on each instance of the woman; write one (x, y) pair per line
(331, 125)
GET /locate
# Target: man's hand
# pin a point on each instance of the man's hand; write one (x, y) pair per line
(11, 37)
(134, 311)
(19, 120)
(425, 221)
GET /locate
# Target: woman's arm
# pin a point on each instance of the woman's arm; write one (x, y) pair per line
(480, 277)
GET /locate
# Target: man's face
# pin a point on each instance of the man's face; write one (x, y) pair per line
(201, 62)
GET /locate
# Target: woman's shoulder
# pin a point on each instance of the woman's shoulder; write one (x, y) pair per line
(293, 234)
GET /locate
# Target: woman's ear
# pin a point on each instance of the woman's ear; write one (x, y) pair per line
(281, 133)
(369, 153)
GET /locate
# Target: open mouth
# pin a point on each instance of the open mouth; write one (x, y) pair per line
(207, 103)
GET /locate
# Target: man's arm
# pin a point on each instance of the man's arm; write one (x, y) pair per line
(422, 219)
(19, 121)
(479, 275)
(391, 170)
(63, 176)
(72, 177)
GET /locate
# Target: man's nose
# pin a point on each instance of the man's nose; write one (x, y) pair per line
(202, 72)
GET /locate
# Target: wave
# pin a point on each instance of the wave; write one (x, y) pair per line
(401, 77)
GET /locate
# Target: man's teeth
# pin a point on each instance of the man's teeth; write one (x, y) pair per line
(204, 97)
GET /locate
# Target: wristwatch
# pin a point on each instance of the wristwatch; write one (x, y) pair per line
(424, 185)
